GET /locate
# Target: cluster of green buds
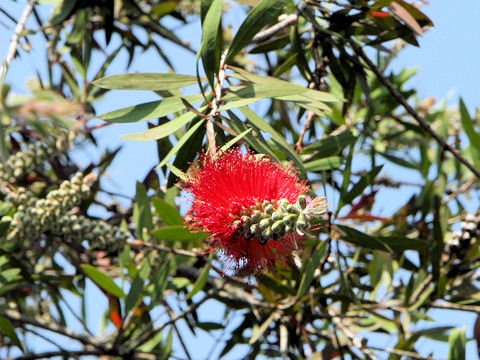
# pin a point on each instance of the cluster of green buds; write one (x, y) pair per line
(31, 220)
(274, 219)
(97, 233)
(24, 162)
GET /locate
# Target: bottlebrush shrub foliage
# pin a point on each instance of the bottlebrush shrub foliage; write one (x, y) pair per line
(290, 106)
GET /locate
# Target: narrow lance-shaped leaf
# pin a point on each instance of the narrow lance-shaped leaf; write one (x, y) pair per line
(163, 130)
(235, 140)
(7, 329)
(208, 48)
(103, 280)
(313, 263)
(261, 15)
(457, 342)
(265, 126)
(182, 141)
(146, 81)
(149, 110)
(468, 125)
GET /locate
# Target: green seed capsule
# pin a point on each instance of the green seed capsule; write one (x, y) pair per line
(278, 226)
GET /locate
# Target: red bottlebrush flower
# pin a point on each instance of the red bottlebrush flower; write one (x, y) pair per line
(254, 208)
(379, 14)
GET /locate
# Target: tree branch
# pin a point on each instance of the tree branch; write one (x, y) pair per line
(12, 50)
(402, 101)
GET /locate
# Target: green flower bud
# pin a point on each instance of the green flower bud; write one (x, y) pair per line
(267, 234)
(277, 215)
(246, 221)
(293, 209)
(255, 229)
(264, 223)
(283, 203)
(269, 209)
(290, 219)
(278, 226)
(256, 216)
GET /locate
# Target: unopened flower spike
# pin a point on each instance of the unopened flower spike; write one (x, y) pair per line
(255, 209)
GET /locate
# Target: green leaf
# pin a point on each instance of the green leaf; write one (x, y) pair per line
(146, 81)
(149, 110)
(182, 141)
(263, 125)
(7, 329)
(457, 342)
(329, 163)
(232, 142)
(401, 243)
(163, 130)
(168, 213)
(103, 280)
(142, 214)
(178, 233)
(306, 93)
(331, 145)
(62, 11)
(312, 264)
(468, 125)
(208, 48)
(202, 279)
(262, 14)
(137, 286)
(254, 139)
(358, 188)
(177, 172)
(361, 239)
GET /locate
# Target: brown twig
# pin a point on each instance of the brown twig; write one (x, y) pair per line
(267, 33)
(12, 50)
(145, 244)
(402, 101)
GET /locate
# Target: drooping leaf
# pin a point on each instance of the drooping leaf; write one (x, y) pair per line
(208, 48)
(202, 279)
(103, 280)
(168, 213)
(7, 329)
(261, 15)
(468, 125)
(312, 264)
(142, 214)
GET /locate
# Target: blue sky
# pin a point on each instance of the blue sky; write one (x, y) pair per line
(448, 65)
